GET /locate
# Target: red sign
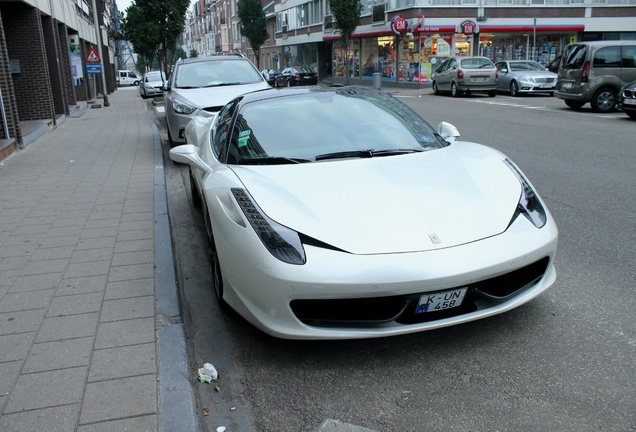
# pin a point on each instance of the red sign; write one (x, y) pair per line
(468, 27)
(92, 56)
(399, 25)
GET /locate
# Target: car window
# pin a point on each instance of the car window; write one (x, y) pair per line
(574, 56)
(629, 56)
(476, 63)
(607, 57)
(526, 66)
(347, 124)
(216, 73)
(222, 129)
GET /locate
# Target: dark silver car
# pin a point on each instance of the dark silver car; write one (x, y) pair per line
(525, 76)
(201, 86)
(465, 75)
(152, 84)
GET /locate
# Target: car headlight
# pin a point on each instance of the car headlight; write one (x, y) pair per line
(279, 240)
(182, 108)
(529, 204)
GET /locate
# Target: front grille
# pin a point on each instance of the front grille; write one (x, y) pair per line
(213, 109)
(545, 80)
(401, 309)
(629, 94)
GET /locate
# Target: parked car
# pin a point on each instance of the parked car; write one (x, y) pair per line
(127, 78)
(525, 76)
(628, 100)
(465, 75)
(362, 220)
(203, 85)
(152, 84)
(553, 66)
(270, 76)
(295, 76)
(594, 72)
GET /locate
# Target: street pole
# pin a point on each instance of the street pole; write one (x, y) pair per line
(534, 40)
(98, 35)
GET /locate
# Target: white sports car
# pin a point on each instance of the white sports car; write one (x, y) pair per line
(353, 218)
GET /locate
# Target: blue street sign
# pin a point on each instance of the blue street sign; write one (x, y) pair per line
(93, 68)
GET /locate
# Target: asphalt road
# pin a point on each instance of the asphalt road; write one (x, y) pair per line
(564, 362)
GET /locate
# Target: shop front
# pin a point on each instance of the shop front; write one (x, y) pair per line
(540, 43)
(412, 56)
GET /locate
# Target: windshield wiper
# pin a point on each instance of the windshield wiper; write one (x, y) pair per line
(222, 84)
(272, 160)
(365, 153)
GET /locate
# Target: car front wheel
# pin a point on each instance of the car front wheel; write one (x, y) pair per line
(604, 100)
(288, 83)
(436, 89)
(215, 265)
(514, 89)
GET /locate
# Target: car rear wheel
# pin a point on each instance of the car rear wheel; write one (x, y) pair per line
(604, 100)
(454, 90)
(435, 89)
(514, 89)
(574, 104)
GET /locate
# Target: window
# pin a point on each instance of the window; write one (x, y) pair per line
(629, 57)
(378, 13)
(224, 123)
(608, 57)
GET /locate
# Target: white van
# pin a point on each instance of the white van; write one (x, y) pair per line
(127, 78)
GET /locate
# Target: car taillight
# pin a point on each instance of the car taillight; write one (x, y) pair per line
(460, 74)
(497, 74)
(296, 76)
(586, 72)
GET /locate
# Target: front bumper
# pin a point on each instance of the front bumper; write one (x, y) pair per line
(292, 302)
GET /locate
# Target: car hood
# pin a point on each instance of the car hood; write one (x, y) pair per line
(415, 202)
(216, 96)
(536, 74)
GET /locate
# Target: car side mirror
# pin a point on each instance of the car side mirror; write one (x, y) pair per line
(447, 131)
(504, 70)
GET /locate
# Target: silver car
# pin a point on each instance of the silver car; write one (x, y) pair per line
(152, 84)
(525, 76)
(201, 86)
(465, 75)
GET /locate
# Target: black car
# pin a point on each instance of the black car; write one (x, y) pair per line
(553, 66)
(270, 75)
(296, 76)
(627, 100)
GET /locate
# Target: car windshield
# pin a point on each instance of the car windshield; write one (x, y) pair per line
(476, 63)
(328, 124)
(154, 77)
(303, 70)
(216, 73)
(526, 66)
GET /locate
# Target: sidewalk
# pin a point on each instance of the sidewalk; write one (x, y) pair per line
(91, 337)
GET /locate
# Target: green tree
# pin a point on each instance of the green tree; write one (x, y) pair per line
(253, 25)
(193, 53)
(346, 14)
(153, 26)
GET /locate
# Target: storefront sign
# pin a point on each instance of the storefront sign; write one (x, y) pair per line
(468, 27)
(399, 25)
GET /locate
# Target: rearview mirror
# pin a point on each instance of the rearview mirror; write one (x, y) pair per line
(447, 131)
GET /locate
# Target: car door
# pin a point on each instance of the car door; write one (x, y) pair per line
(447, 75)
(439, 75)
(504, 76)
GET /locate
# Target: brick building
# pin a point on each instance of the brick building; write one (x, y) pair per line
(43, 79)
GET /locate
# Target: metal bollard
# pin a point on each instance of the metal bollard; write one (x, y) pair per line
(377, 80)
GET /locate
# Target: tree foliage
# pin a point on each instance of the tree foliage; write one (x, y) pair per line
(153, 26)
(253, 25)
(346, 14)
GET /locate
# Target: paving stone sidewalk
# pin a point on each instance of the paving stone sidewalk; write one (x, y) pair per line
(90, 331)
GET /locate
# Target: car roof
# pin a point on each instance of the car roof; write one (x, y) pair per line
(210, 58)
(272, 93)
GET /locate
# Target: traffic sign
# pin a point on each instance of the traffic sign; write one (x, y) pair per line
(92, 56)
(93, 68)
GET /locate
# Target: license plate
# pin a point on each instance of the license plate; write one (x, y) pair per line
(546, 86)
(629, 102)
(441, 300)
(479, 79)
(566, 85)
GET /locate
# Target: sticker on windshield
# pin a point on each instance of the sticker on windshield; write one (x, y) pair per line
(244, 138)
